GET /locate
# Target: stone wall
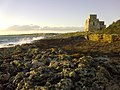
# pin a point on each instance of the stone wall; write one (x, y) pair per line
(103, 37)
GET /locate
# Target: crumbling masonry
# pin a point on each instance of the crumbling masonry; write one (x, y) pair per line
(92, 23)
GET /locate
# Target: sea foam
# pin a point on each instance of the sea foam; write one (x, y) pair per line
(19, 41)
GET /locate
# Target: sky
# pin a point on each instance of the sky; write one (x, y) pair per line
(56, 13)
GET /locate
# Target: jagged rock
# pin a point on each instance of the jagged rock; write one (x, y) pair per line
(78, 85)
(54, 69)
(41, 88)
(72, 74)
(65, 84)
(28, 64)
(15, 62)
(36, 63)
(20, 85)
(1, 87)
(67, 64)
(54, 64)
(4, 77)
(18, 77)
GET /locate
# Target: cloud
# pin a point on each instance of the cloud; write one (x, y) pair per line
(30, 29)
(24, 28)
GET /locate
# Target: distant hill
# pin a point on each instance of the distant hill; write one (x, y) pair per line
(114, 28)
(31, 29)
(46, 28)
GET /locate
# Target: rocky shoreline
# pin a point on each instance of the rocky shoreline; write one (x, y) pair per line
(61, 64)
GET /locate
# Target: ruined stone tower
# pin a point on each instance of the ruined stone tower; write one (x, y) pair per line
(92, 23)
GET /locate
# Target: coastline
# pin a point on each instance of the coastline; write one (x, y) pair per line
(60, 63)
(13, 40)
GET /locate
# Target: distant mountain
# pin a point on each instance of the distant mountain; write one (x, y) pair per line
(31, 29)
(36, 27)
(24, 27)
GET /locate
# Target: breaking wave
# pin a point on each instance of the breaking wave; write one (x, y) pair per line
(18, 41)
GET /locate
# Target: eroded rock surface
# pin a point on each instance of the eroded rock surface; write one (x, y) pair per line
(55, 69)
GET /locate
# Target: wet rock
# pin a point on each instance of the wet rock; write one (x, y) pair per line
(112, 86)
(54, 64)
(53, 69)
(78, 85)
(1, 87)
(72, 74)
(15, 62)
(36, 63)
(20, 85)
(4, 77)
(39, 80)
(66, 71)
(28, 64)
(65, 84)
(67, 64)
(55, 78)
(41, 88)
(18, 77)
(18, 49)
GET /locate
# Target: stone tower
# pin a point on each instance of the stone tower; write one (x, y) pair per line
(92, 23)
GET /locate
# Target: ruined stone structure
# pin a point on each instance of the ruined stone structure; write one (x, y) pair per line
(103, 37)
(92, 23)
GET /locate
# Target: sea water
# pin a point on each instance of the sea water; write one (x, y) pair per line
(12, 40)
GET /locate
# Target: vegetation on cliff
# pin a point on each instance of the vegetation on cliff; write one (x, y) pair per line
(114, 28)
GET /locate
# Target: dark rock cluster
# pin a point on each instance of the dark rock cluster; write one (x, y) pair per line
(55, 69)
